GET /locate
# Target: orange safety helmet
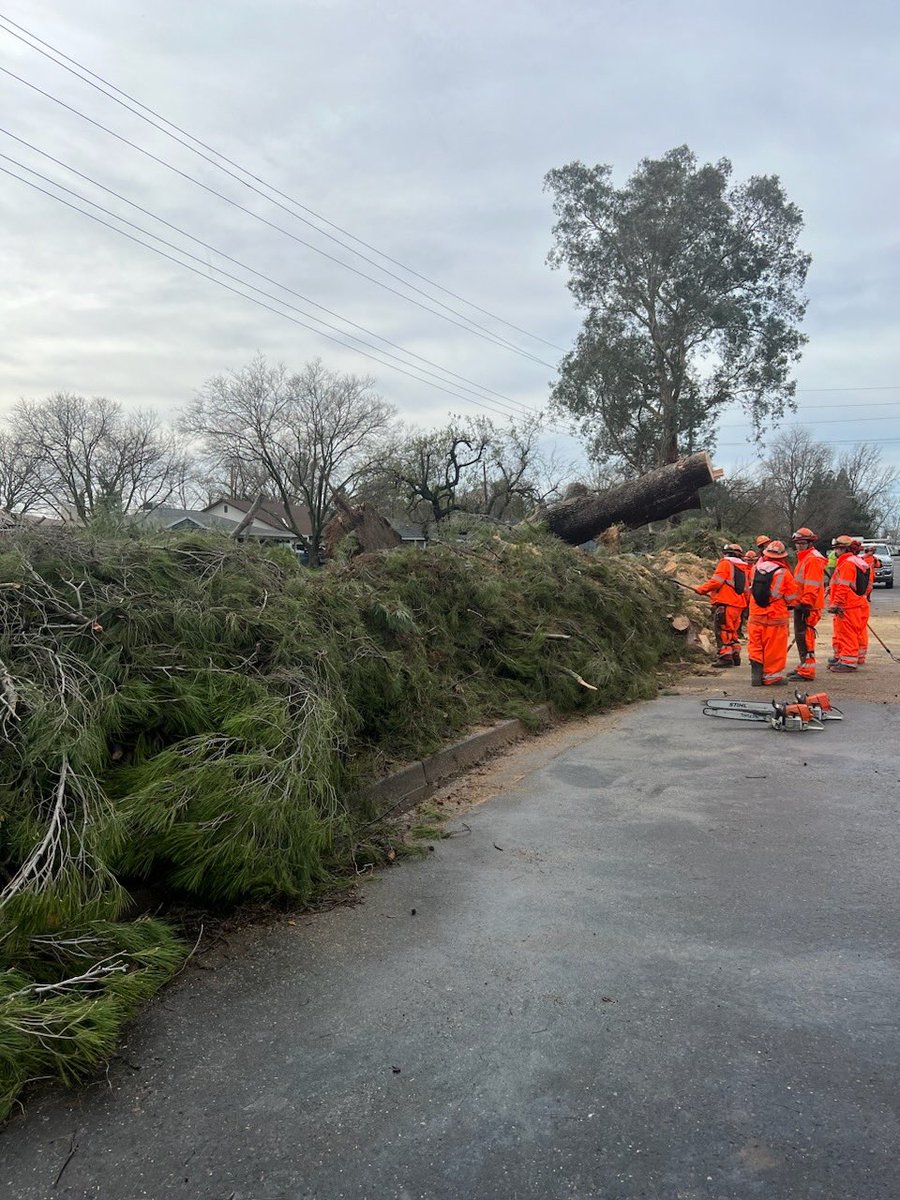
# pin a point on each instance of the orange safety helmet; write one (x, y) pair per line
(751, 556)
(803, 535)
(844, 542)
(733, 547)
(775, 550)
(762, 541)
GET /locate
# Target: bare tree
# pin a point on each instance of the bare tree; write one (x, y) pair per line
(792, 469)
(302, 436)
(91, 455)
(433, 470)
(20, 482)
(872, 483)
(515, 473)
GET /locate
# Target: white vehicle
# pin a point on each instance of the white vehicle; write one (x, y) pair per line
(884, 563)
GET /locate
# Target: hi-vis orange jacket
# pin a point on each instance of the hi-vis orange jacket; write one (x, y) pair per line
(783, 593)
(810, 576)
(728, 584)
(850, 583)
(872, 560)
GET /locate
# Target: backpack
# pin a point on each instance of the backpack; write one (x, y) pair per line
(761, 589)
(739, 574)
(860, 585)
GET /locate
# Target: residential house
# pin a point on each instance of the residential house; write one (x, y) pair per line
(180, 519)
(271, 513)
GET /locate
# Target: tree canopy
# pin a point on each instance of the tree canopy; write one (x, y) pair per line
(693, 291)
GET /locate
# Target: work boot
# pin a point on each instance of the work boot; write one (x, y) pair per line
(723, 662)
(736, 658)
(841, 668)
(834, 658)
(756, 674)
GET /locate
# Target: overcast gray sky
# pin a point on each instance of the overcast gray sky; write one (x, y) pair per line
(425, 129)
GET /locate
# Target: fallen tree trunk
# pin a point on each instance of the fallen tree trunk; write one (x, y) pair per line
(653, 497)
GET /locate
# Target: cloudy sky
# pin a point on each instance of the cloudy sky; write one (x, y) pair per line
(425, 130)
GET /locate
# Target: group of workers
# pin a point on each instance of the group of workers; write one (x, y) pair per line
(759, 587)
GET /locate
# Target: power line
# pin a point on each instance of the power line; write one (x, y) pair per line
(507, 401)
(253, 300)
(471, 328)
(244, 171)
(829, 421)
(479, 331)
(888, 441)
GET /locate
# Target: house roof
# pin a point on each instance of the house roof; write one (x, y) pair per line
(164, 517)
(409, 533)
(273, 511)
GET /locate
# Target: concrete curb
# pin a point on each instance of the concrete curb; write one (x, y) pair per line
(404, 789)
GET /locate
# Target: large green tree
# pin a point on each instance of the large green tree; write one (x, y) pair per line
(693, 291)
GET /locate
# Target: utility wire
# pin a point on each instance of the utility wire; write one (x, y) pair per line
(238, 292)
(507, 401)
(824, 421)
(471, 328)
(479, 331)
(132, 100)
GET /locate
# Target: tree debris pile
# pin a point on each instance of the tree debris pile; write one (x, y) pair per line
(202, 714)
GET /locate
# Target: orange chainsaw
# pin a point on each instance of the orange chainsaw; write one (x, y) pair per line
(804, 712)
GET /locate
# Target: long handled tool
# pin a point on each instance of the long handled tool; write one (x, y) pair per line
(687, 587)
(890, 652)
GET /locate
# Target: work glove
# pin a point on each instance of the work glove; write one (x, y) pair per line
(837, 610)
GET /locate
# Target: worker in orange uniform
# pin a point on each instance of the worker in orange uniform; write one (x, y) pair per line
(750, 558)
(870, 557)
(761, 542)
(772, 594)
(810, 577)
(848, 601)
(727, 591)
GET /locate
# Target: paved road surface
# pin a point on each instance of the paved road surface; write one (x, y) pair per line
(663, 964)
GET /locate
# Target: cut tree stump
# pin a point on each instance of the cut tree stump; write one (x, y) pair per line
(655, 496)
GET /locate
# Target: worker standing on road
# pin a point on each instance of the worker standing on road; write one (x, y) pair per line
(848, 601)
(727, 591)
(810, 577)
(750, 558)
(868, 555)
(773, 592)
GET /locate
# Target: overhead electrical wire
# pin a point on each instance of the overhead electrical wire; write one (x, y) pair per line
(90, 76)
(477, 330)
(517, 407)
(479, 402)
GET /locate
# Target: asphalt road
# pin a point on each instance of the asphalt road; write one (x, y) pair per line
(662, 964)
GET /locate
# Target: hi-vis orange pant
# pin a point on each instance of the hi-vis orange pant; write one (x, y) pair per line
(849, 632)
(767, 643)
(726, 626)
(805, 636)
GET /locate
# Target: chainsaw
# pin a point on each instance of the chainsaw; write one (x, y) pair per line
(805, 712)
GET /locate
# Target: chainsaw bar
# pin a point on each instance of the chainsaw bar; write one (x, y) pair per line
(740, 714)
